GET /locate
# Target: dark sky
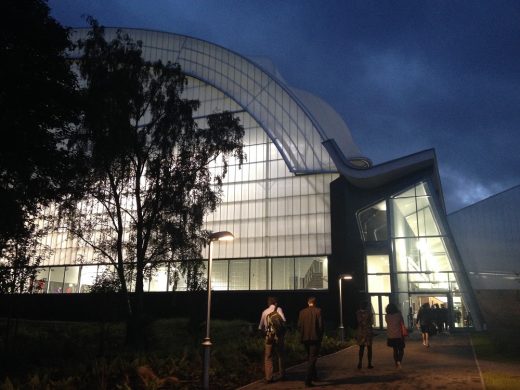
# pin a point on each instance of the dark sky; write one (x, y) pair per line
(404, 75)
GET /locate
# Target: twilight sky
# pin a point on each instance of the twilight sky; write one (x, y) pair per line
(405, 75)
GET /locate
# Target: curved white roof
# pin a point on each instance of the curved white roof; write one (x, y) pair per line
(329, 120)
(296, 121)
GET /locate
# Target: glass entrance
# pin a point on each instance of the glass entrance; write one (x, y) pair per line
(447, 311)
(379, 303)
(415, 256)
(378, 286)
(434, 302)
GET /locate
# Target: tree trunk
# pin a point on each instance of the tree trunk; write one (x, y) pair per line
(136, 324)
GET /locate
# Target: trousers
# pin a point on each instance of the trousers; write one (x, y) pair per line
(313, 349)
(277, 347)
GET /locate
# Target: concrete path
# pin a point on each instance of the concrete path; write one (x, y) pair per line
(449, 363)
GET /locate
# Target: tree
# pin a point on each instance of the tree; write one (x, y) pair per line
(149, 183)
(37, 109)
(20, 259)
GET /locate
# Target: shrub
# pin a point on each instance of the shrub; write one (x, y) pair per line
(67, 355)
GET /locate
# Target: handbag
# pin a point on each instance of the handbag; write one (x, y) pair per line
(404, 329)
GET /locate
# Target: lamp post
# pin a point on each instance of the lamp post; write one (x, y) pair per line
(341, 328)
(206, 343)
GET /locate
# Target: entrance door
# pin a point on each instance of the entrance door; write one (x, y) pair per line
(379, 302)
(440, 304)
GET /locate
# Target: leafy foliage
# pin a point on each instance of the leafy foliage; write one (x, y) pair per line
(20, 261)
(87, 356)
(151, 171)
(107, 282)
(38, 107)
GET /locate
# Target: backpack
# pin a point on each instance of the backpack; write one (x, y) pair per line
(275, 326)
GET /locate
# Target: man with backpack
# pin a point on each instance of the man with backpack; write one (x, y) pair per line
(272, 323)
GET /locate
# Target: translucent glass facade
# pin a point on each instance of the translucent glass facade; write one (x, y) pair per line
(295, 133)
(277, 204)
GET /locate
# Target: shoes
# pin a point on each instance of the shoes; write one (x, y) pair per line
(268, 381)
(398, 365)
(370, 366)
(309, 384)
(359, 366)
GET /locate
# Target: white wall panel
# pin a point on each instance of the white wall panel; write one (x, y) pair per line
(487, 235)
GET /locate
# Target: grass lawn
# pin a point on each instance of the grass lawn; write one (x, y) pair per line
(499, 357)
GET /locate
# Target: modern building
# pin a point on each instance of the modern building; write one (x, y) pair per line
(306, 207)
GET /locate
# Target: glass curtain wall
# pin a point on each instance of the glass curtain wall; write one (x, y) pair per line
(421, 264)
(292, 273)
(420, 243)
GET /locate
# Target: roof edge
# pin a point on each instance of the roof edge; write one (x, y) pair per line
(378, 175)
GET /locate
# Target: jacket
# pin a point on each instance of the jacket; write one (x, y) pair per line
(393, 325)
(310, 324)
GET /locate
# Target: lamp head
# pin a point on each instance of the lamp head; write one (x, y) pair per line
(345, 276)
(221, 236)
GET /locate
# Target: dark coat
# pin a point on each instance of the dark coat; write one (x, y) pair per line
(424, 316)
(310, 324)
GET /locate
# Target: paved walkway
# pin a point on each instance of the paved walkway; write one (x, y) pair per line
(449, 363)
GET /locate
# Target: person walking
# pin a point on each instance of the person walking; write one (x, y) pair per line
(394, 330)
(444, 319)
(310, 326)
(272, 323)
(364, 334)
(424, 323)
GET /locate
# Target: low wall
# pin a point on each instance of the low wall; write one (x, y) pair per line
(111, 307)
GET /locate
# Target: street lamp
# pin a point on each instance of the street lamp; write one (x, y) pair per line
(206, 343)
(341, 328)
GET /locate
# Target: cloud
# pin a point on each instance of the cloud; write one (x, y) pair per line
(461, 190)
(405, 78)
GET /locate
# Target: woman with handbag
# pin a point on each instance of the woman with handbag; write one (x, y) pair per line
(395, 329)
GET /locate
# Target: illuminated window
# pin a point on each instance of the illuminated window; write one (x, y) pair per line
(378, 274)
